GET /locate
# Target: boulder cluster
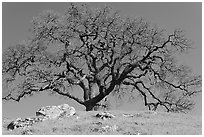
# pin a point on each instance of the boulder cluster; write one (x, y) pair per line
(44, 113)
(23, 123)
(105, 115)
(52, 112)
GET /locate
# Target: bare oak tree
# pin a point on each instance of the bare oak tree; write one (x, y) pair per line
(101, 52)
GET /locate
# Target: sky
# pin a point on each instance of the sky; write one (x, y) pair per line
(16, 19)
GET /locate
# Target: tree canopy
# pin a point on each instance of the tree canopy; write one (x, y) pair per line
(101, 52)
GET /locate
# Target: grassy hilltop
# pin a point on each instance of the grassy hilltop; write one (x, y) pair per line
(124, 123)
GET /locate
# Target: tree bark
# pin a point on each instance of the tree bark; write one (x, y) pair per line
(90, 107)
(91, 103)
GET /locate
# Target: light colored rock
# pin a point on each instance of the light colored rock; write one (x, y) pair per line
(50, 112)
(53, 112)
(68, 110)
(44, 113)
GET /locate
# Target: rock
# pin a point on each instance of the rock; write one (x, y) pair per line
(44, 113)
(53, 112)
(23, 123)
(68, 110)
(11, 126)
(50, 112)
(18, 123)
(105, 115)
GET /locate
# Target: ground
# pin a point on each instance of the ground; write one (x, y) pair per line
(124, 123)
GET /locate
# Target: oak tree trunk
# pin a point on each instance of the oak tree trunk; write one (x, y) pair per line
(90, 107)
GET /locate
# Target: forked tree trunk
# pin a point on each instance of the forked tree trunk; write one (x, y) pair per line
(92, 103)
(88, 96)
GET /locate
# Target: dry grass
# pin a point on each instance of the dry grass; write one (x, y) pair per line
(141, 123)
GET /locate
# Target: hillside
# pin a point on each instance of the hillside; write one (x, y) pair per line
(124, 123)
